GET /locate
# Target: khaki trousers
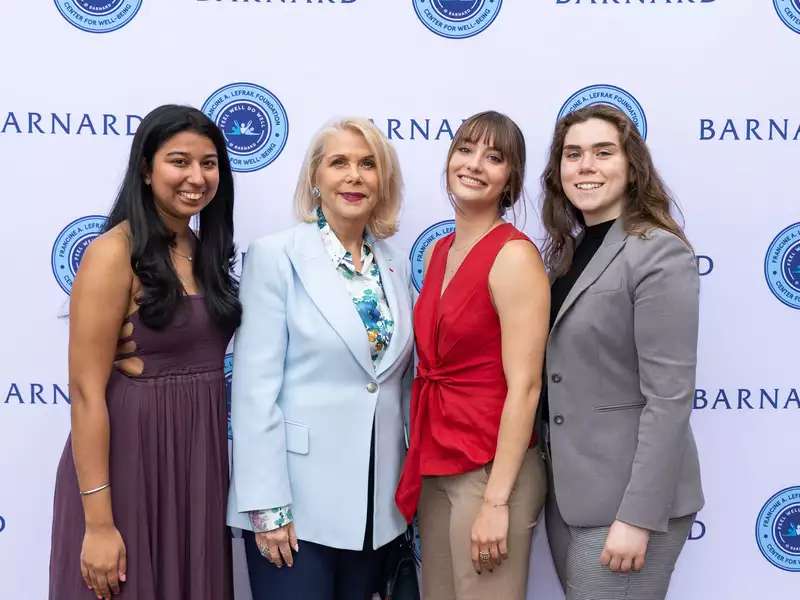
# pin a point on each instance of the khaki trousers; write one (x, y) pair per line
(447, 509)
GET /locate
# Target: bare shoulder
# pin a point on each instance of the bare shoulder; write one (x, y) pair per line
(111, 250)
(106, 265)
(518, 254)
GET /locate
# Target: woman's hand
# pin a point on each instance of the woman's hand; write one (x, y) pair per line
(103, 560)
(625, 548)
(490, 537)
(277, 545)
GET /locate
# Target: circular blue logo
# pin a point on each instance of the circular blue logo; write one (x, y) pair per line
(789, 12)
(457, 19)
(70, 246)
(253, 122)
(778, 529)
(782, 266)
(611, 95)
(98, 16)
(228, 381)
(421, 245)
(2, 524)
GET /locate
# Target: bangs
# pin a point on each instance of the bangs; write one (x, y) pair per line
(493, 129)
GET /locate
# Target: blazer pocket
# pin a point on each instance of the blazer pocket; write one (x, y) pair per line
(605, 287)
(612, 407)
(296, 437)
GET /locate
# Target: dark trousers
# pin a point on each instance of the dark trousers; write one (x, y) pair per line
(319, 573)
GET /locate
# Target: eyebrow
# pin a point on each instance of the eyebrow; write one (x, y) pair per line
(474, 143)
(597, 145)
(340, 155)
(184, 153)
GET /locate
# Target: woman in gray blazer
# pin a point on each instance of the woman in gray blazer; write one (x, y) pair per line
(318, 378)
(620, 364)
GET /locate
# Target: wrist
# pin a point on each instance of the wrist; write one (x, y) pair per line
(495, 502)
(99, 525)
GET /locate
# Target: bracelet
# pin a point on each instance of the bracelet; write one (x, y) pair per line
(97, 489)
(485, 501)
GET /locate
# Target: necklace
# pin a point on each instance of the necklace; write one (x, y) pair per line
(475, 241)
(189, 258)
(451, 269)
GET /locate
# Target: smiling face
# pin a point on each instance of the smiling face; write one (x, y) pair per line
(594, 170)
(477, 174)
(184, 176)
(347, 178)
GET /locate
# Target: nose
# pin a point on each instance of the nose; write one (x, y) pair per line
(353, 174)
(474, 162)
(195, 175)
(587, 162)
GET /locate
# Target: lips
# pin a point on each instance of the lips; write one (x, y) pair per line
(352, 196)
(471, 181)
(190, 196)
(588, 186)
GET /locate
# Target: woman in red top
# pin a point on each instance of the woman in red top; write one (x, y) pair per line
(472, 469)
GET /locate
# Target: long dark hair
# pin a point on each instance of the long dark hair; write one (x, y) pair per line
(150, 238)
(647, 204)
(506, 136)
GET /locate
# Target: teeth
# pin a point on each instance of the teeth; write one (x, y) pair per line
(588, 186)
(470, 180)
(190, 196)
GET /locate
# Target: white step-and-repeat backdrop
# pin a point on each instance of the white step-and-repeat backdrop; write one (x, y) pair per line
(712, 83)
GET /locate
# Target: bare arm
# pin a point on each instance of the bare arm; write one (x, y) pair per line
(98, 304)
(521, 295)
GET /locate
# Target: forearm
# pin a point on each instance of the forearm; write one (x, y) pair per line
(90, 449)
(514, 438)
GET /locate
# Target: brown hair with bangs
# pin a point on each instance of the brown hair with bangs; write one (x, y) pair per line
(499, 131)
(647, 204)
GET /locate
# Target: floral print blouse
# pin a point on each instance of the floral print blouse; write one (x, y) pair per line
(366, 290)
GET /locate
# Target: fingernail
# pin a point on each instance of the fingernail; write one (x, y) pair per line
(122, 577)
(297, 547)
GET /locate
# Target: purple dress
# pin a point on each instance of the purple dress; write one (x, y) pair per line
(168, 467)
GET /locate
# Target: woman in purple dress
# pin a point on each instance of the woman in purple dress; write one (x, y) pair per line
(141, 487)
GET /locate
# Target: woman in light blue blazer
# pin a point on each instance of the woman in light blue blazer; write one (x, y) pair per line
(318, 382)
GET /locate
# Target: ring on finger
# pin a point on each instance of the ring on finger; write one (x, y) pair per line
(484, 555)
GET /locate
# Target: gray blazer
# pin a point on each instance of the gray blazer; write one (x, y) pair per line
(621, 371)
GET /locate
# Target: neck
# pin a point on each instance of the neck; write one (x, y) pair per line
(349, 231)
(470, 225)
(177, 225)
(595, 218)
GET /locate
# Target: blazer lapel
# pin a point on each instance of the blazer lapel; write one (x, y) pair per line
(612, 244)
(323, 285)
(395, 290)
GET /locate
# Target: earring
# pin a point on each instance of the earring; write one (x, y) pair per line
(315, 193)
(147, 181)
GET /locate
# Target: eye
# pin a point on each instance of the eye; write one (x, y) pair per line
(464, 149)
(496, 158)
(210, 164)
(338, 162)
(180, 162)
(368, 163)
(604, 153)
(571, 155)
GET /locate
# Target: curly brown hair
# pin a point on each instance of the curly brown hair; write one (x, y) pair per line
(647, 203)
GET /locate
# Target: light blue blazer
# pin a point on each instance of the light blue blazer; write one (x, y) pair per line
(305, 393)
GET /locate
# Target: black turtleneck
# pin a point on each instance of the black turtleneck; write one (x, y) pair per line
(592, 240)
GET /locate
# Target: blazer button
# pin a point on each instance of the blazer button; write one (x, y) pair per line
(558, 419)
(555, 378)
(372, 387)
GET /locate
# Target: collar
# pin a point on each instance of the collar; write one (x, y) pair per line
(337, 252)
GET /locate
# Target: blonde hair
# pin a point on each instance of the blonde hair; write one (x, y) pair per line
(383, 220)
